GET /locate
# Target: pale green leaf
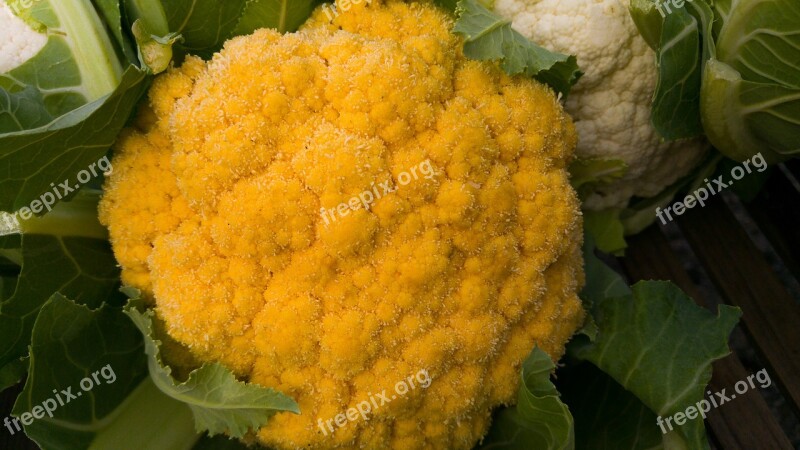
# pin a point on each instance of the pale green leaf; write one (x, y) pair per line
(540, 419)
(220, 403)
(77, 65)
(607, 230)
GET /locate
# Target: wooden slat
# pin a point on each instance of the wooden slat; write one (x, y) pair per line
(747, 423)
(740, 273)
(776, 210)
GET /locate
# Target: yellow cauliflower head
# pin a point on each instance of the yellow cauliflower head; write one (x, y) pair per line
(333, 211)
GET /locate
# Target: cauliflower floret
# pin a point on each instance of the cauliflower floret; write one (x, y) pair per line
(611, 102)
(18, 41)
(214, 210)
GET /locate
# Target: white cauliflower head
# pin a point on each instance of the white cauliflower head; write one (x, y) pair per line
(611, 103)
(18, 41)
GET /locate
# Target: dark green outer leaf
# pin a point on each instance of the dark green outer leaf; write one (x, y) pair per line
(682, 40)
(203, 24)
(12, 373)
(22, 110)
(82, 268)
(647, 20)
(58, 151)
(69, 343)
(607, 417)
(659, 345)
(601, 281)
(676, 111)
(282, 15)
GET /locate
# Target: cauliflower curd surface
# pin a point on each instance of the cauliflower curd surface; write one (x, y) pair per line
(611, 102)
(214, 213)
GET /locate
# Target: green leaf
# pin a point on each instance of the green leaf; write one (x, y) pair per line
(203, 24)
(586, 174)
(282, 15)
(606, 229)
(648, 21)
(733, 70)
(601, 281)
(488, 36)
(94, 355)
(540, 419)
(681, 38)
(680, 57)
(77, 65)
(658, 344)
(7, 283)
(760, 40)
(607, 417)
(220, 403)
(151, 12)
(111, 11)
(12, 373)
(58, 151)
(22, 110)
(80, 267)
(743, 118)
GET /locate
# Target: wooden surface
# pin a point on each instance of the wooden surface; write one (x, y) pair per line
(742, 275)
